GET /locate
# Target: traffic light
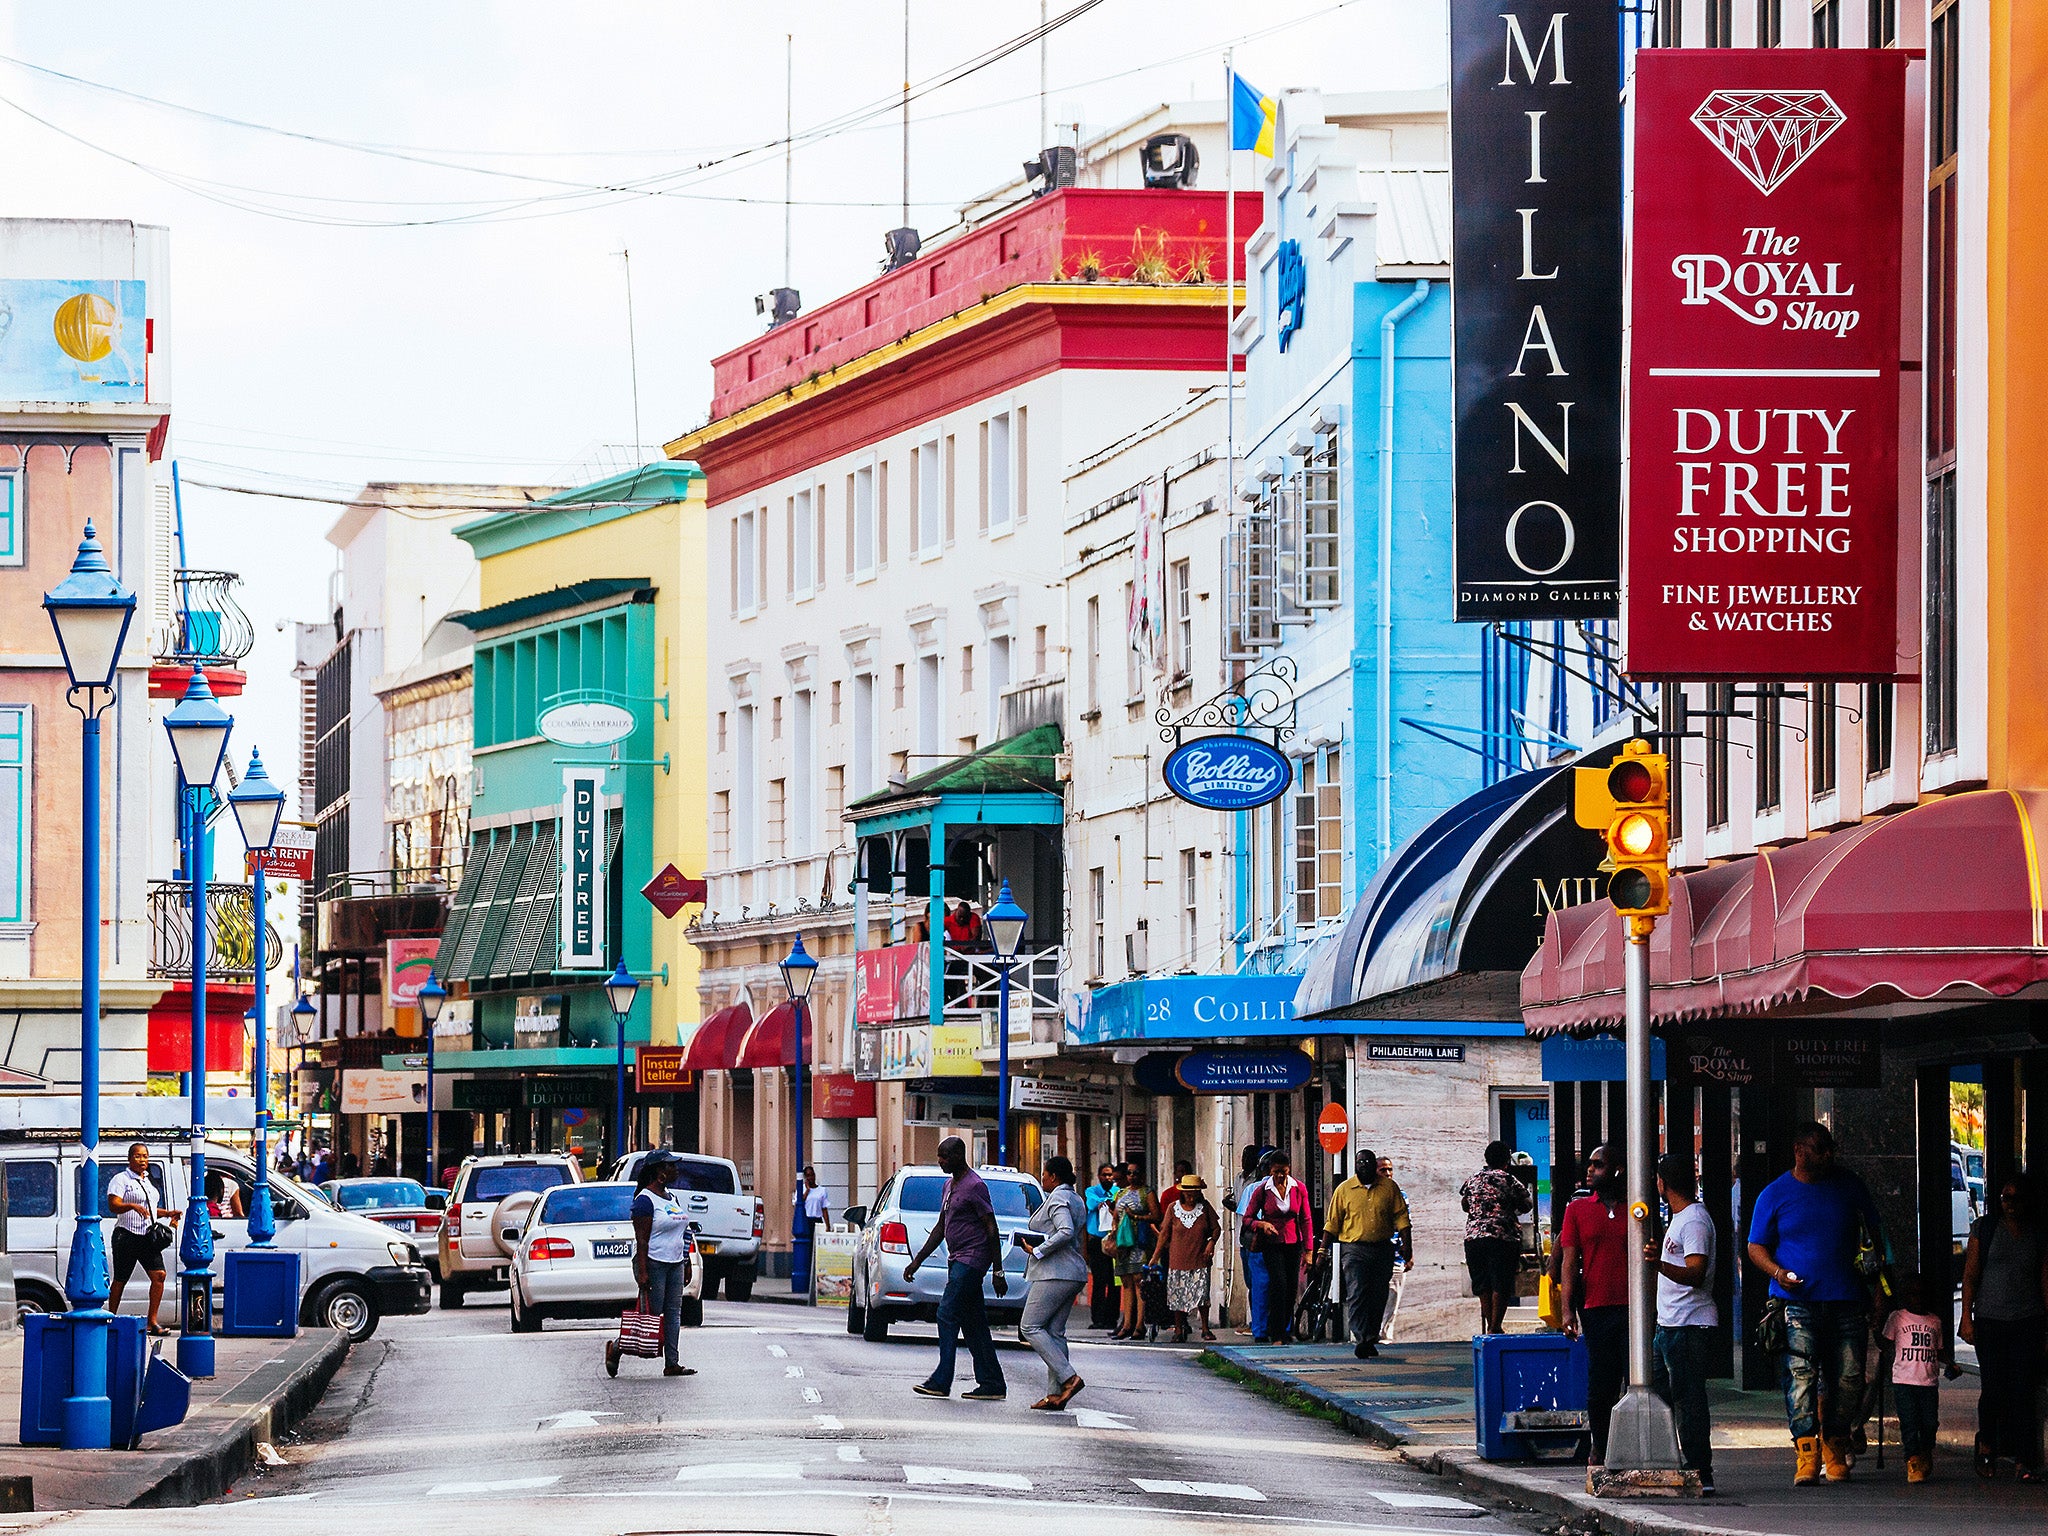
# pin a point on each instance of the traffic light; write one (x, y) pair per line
(1628, 802)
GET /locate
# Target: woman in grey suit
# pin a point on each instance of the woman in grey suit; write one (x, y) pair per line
(1056, 1274)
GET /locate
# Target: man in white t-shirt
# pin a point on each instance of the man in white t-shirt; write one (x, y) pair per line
(136, 1202)
(1686, 1314)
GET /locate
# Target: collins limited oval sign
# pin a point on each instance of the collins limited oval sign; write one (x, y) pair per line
(1228, 773)
(586, 724)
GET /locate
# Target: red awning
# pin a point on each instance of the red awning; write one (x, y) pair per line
(1940, 901)
(712, 1047)
(227, 1032)
(772, 1040)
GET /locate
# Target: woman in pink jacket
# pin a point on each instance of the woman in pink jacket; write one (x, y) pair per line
(1284, 1230)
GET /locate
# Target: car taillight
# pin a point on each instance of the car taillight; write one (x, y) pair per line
(455, 1221)
(551, 1248)
(430, 1221)
(895, 1237)
(760, 1218)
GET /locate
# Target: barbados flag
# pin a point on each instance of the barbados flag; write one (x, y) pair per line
(1251, 116)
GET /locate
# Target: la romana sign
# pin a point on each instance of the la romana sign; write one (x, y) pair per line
(1227, 773)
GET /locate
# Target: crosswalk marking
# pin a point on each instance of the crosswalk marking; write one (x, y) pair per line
(1201, 1490)
(1095, 1418)
(813, 1395)
(737, 1471)
(953, 1477)
(826, 1421)
(850, 1453)
(1395, 1499)
(778, 1351)
(502, 1485)
(792, 1371)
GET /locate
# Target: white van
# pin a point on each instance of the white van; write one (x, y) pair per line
(352, 1272)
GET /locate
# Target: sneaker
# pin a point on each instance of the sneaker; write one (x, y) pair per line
(1366, 1351)
(926, 1389)
(982, 1395)
(1706, 1482)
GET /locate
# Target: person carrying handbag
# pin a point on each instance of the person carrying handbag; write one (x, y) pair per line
(1136, 1213)
(142, 1232)
(661, 1259)
(1285, 1231)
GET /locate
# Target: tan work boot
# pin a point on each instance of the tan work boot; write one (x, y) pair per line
(1806, 1471)
(1919, 1468)
(1834, 1459)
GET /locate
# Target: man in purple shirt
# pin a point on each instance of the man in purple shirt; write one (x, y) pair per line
(967, 1226)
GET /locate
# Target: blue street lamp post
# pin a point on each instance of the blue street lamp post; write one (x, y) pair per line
(799, 970)
(198, 728)
(303, 1016)
(90, 610)
(432, 999)
(619, 990)
(258, 805)
(1005, 922)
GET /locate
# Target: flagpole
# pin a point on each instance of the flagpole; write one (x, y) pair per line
(1229, 280)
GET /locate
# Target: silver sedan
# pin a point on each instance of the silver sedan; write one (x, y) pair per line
(895, 1227)
(572, 1256)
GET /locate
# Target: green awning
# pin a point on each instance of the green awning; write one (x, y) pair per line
(502, 923)
(554, 600)
(1022, 764)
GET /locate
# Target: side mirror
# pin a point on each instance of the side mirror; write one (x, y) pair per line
(282, 1209)
(856, 1215)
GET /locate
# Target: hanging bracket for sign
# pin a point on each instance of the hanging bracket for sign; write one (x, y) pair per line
(1261, 702)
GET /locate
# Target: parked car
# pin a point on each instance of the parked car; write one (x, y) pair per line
(403, 1205)
(895, 1227)
(353, 1272)
(572, 1256)
(729, 1221)
(491, 1194)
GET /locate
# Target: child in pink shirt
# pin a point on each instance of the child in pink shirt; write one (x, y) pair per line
(1916, 1346)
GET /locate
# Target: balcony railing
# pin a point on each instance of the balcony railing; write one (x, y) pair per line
(230, 932)
(207, 627)
(974, 984)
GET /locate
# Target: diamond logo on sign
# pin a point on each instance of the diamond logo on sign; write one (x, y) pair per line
(1767, 135)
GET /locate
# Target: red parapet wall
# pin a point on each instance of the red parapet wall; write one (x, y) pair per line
(1077, 235)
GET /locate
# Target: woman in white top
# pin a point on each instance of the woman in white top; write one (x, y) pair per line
(137, 1204)
(661, 1247)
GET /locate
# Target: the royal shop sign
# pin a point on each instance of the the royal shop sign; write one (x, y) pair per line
(1764, 347)
(1227, 773)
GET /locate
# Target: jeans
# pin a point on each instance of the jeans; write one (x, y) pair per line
(1606, 1330)
(961, 1312)
(2009, 1364)
(665, 1295)
(1283, 1289)
(1102, 1304)
(1255, 1290)
(1678, 1374)
(1919, 1417)
(1823, 1366)
(1367, 1270)
(1044, 1328)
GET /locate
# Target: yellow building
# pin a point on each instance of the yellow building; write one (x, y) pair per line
(591, 626)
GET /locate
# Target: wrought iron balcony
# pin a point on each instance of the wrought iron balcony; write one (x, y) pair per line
(230, 932)
(207, 627)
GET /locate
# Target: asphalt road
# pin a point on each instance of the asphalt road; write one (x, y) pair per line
(451, 1423)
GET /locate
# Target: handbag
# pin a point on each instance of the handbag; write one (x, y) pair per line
(159, 1235)
(1126, 1232)
(1549, 1302)
(640, 1330)
(1772, 1335)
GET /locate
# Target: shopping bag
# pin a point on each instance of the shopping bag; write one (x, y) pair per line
(1549, 1303)
(640, 1331)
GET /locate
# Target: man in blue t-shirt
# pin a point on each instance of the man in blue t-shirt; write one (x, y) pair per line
(1804, 1234)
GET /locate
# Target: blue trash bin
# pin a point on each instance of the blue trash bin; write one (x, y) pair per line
(260, 1294)
(1529, 1396)
(46, 1375)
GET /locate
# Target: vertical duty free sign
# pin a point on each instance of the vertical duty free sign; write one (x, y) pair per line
(582, 899)
(1764, 363)
(1536, 296)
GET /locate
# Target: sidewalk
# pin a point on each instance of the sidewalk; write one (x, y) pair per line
(264, 1386)
(1418, 1398)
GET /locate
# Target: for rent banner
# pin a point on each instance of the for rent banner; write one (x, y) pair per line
(1764, 364)
(1536, 300)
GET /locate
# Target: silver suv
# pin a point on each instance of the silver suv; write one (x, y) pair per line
(895, 1227)
(490, 1194)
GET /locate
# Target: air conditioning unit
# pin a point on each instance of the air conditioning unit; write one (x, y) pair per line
(1137, 948)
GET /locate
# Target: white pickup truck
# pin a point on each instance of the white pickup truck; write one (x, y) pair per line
(728, 1221)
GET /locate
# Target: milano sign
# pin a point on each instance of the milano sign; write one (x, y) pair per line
(1764, 345)
(1536, 296)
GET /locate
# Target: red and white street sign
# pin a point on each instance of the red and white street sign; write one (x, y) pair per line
(290, 856)
(1764, 348)
(1333, 1130)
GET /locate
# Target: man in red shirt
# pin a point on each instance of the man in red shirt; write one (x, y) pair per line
(1594, 1276)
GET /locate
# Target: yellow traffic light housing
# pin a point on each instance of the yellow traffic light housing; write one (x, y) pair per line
(1628, 802)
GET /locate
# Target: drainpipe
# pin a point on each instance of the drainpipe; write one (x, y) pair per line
(1384, 710)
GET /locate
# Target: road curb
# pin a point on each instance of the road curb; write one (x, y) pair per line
(1367, 1426)
(273, 1398)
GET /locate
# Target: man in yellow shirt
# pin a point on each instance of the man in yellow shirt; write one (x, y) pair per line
(1365, 1213)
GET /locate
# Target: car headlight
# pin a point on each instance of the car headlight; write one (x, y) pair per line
(403, 1253)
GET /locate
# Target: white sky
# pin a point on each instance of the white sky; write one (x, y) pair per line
(314, 357)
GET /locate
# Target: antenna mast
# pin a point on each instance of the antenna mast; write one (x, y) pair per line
(632, 351)
(906, 114)
(788, 143)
